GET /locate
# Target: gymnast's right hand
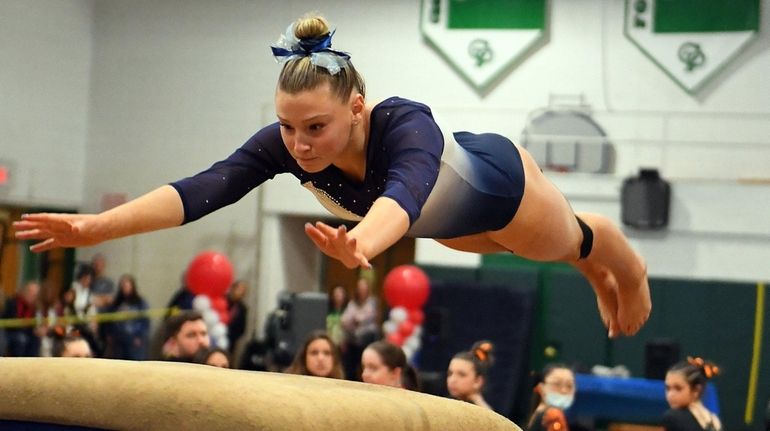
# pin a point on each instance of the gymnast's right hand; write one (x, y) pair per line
(58, 230)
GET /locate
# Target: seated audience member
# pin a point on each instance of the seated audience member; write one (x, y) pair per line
(318, 357)
(102, 287)
(685, 384)
(70, 345)
(216, 357)
(360, 324)
(338, 299)
(83, 307)
(383, 363)
(25, 340)
(467, 373)
(238, 312)
(186, 334)
(128, 339)
(553, 394)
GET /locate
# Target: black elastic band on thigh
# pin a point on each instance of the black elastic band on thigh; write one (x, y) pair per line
(588, 239)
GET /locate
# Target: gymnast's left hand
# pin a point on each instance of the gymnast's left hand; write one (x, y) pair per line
(337, 243)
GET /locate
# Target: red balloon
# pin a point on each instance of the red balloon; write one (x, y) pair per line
(219, 304)
(405, 328)
(416, 316)
(406, 286)
(395, 338)
(210, 273)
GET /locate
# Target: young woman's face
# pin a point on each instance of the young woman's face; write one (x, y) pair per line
(77, 349)
(362, 289)
(126, 286)
(315, 126)
(238, 291)
(462, 380)
(376, 372)
(679, 394)
(319, 358)
(561, 381)
(338, 296)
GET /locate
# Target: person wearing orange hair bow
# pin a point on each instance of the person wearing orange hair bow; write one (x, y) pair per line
(468, 372)
(685, 385)
(554, 394)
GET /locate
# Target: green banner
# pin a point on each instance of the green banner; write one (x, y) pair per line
(496, 14)
(696, 16)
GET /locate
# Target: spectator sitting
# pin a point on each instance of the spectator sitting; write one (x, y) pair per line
(70, 345)
(186, 334)
(338, 299)
(359, 320)
(318, 357)
(216, 357)
(25, 340)
(468, 372)
(128, 339)
(238, 313)
(383, 363)
(102, 288)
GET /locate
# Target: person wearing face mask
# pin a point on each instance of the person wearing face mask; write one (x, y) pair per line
(554, 394)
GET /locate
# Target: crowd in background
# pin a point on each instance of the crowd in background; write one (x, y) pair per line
(351, 345)
(111, 317)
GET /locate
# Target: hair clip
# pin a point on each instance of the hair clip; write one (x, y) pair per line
(289, 47)
(696, 361)
(59, 330)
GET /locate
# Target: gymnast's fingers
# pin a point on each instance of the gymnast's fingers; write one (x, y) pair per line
(46, 245)
(320, 240)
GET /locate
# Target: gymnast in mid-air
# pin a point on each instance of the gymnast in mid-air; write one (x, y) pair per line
(393, 169)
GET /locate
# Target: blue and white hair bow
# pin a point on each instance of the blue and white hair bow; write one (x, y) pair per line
(288, 47)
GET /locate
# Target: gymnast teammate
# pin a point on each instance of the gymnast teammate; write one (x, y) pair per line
(685, 386)
(391, 167)
(468, 372)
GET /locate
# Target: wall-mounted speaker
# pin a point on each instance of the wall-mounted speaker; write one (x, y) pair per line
(645, 200)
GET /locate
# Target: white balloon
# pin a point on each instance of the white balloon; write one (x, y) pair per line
(417, 332)
(222, 342)
(210, 317)
(201, 303)
(412, 342)
(219, 330)
(408, 351)
(398, 314)
(389, 326)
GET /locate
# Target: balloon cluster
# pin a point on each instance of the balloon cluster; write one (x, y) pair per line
(406, 289)
(208, 277)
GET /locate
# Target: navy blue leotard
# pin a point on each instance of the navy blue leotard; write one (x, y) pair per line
(450, 184)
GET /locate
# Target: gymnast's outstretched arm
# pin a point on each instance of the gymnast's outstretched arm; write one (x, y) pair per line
(384, 224)
(159, 209)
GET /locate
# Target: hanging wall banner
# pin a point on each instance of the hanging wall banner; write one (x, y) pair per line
(482, 39)
(691, 40)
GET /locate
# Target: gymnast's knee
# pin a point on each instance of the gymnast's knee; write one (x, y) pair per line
(588, 239)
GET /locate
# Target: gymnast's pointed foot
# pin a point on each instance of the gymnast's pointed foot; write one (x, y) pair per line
(606, 289)
(634, 304)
